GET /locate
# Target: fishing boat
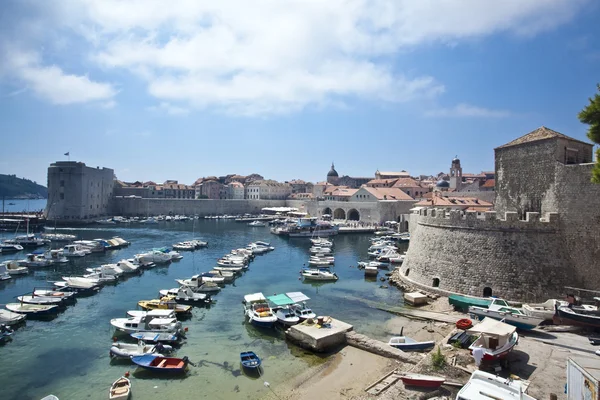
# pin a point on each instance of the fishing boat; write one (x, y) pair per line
(120, 389)
(426, 381)
(121, 350)
(153, 321)
(462, 303)
(35, 299)
(162, 364)
(258, 311)
(157, 337)
(495, 340)
(500, 310)
(250, 360)
(186, 295)
(545, 310)
(569, 316)
(483, 385)
(165, 303)
(10, 318)
(318, 274)
(282, 309)
(405, 343)
(33, 310)
(66, 296)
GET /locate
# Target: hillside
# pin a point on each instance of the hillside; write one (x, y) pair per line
(12, 187)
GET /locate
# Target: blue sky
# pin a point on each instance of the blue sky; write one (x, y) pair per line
(285, 88)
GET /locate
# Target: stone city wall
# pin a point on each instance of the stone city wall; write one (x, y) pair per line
(518, 260)
(144, 207)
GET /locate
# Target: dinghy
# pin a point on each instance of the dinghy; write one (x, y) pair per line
(128, 350)
(161, 364)
(120, 389)
(250, 360)
(157, 337)
(422, 380)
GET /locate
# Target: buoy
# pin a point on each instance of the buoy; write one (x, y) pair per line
(127, 374)
(185, 329)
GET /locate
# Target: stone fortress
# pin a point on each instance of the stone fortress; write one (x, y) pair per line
(543, 236)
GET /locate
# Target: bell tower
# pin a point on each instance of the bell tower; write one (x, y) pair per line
(455, 174)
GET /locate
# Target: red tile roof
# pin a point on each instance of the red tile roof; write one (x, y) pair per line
(490, 183)
(387, 193)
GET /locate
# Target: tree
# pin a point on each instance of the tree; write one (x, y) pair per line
(591, 115)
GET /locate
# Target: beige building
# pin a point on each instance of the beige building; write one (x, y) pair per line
(236, 191)
(268, 190)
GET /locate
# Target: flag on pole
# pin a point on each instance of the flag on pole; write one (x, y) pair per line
(67, 153)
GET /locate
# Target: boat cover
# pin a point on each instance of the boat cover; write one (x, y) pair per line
(250, 298)
(280, 300)
(297, 297)
(492, 327)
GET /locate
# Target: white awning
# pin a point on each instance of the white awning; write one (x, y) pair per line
(250, 298)
(297, 297)
(492, 327)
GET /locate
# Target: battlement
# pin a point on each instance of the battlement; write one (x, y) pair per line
(488, 220)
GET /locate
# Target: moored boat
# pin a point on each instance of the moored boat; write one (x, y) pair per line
(500, 310)
(318, 274)
(156, 363)
(250, 360)
(185, 295)
(13, 268)
(10, 318)
(165, 303)
(33, 310)
(157, 337)
(258, 311)
(120, 389)
(127, 350)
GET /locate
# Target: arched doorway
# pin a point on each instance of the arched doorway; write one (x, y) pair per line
(327, 211)
(487, 291)
(339, 214)
(436, 282)
(353, 215)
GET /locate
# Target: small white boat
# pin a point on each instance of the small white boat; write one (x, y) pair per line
(106, 269)
(371, 271)
(501, 311)
(147, 323)
(56, 256)
(223, 262)
(405, 343)
(483, 385)
(238, 268)
(32, 309)
(323, 242)
(81, 282)
(227, 275)
(184, 246)
(155, 256)
(374, 264)
(120, 389)
(66, 296)
(127, 267)
(74, 250)
(320, 250)
(10, 248)
(11, 318)
(185, 294)
(4, 275)
(128, 350)
(34, 299)
(35, 260)
(258, 311)
(13, 268)
(257, 223)
(102, 277)
(90, 246)
(319, 262)
(318, 274)
(545, 310)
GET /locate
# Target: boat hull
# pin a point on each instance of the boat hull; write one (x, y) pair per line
(422, 381)
(565, 316)
(522, 322)
(464, 302)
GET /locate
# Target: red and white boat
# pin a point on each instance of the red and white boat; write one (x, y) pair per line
(496, 339)
(422, 380)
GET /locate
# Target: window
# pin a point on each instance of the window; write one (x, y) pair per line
(436, 282)
(62, 196)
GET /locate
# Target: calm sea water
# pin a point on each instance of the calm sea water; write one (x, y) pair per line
(69, 356)
(23, 205)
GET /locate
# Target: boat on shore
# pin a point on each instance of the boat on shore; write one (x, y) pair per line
(120, 389)
(425, 381)
(569, 316)
(501, 311)
(462, 303)
(495, 340)
(485, 385)
(545, 310)
(405, 343)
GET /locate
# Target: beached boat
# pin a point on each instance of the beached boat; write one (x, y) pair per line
(405, 343)
(128, 350)
(500, 310)
(10, 318)
(258, 311)
(418, 380)
(186, 295)
(157, 337)
(318, 274)
(545, 310)
(33, 310)
(569, 316)
(165, 303)
(250, 360)
(161, 364)
(462, 303)
(120, 389)
(483, 385)
(495, 340)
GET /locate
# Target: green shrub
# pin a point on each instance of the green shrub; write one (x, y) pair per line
(438, 360)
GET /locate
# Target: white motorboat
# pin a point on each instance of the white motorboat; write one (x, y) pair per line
(319, 262)
(154, 256)
(494, 342)
(102, 277)
(122, 242)
(184, 246)
(33, 309)
(258, 311)
(199, 243)
(168, 313)
(10, 318)
(147, 323)
(127, 267)
(227, 275)
(81, 282)
(237, 258)
(4, 275)
(257, 223)
(35, 260)
(374, 264)
(320, 250)
(262, 243)
(384, 244)
(13, 267)
(232, 268)
(185, 294)
(282, 309)
(303, 311)
(28, 240)
(322, 242)
(35, 299)
(120, 389)
(106, 269)
(397, 259)
(56, 256)
(318, 274)
(58, 237)
(545, 310)
(197, 280)
(222, 262)
(65, 296)
(91, 246)
(197, 284)
(371, 271)
(74, 250)
(259, 249)
(6, 248)
(175, 256)
(501, 311)
(128, 350)
(483, 385)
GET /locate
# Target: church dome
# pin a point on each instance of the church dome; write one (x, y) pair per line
(332, 172)
(442, 184)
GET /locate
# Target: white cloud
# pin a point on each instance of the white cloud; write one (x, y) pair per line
(51, 82)
(466, 110)
(271, 56)
(169, 109)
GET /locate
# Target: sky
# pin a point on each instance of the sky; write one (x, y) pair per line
(182, 89)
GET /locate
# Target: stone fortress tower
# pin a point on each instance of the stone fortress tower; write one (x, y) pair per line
(332, 176)
(455, 174)
(543, 236)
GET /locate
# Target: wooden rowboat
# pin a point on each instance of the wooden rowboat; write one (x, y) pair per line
(250, 360)
(120, 389)
(422, 380)
(161, 364)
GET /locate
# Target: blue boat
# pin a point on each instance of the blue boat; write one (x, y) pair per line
(405, 343)
(250, 360)
(156, 337)
(168, 365)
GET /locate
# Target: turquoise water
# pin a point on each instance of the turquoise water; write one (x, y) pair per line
(68, 356)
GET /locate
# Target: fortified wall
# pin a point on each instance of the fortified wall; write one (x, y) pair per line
(515, 253)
